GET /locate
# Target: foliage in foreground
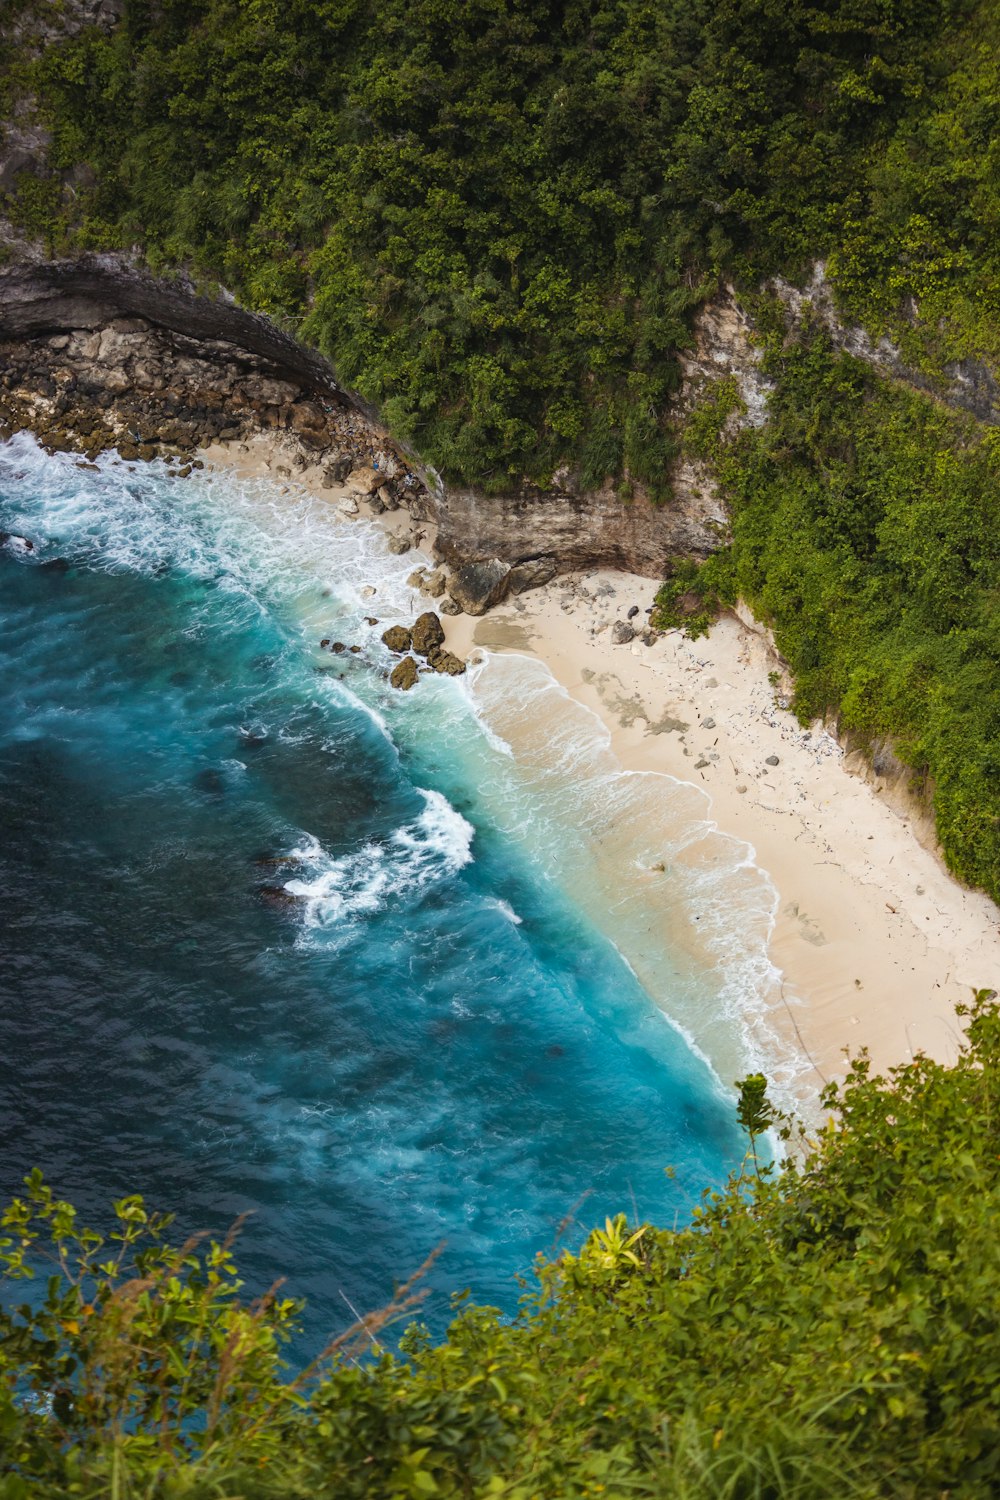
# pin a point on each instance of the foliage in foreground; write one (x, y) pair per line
(831, 1329)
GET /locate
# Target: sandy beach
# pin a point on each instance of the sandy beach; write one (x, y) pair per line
(875, 942)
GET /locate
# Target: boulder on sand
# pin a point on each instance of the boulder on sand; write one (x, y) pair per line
(446, 662)
(477, 586)
(531, 574)
(364, 481)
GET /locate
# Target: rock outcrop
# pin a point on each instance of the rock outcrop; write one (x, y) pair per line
(97, 353)
(968, 384)
(426, 633)
(405, 674)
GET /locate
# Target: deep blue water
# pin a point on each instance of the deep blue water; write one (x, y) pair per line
(432, 1043)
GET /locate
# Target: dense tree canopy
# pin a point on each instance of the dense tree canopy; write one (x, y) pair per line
(496, 216)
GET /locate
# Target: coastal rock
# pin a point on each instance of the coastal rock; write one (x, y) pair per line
(397, 638)
(364, 481)
(404, 674)
(276, 896)
(388, 499)
(772, 760)
(477, 586)
(434, 583)
(449, 607)
(16, 543)
(531, 574)
(417, 579)
(446, 662)
(398, 543)
(631, 614)
(622, 633)
(427, 633)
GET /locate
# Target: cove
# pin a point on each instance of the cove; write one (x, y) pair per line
(269, 943)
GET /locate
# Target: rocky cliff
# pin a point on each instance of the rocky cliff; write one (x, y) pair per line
(97, 353)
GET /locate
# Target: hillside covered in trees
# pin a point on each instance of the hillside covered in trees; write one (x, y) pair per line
(496, 218)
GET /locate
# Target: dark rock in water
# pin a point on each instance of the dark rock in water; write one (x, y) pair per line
(445, 662)
(210, 781)
(370, 620)
(278, 861)
(772, 760)
(277, 896)
(404, 674)
(338, 647)
(16, 543)
(324, 643)
(477, 586)
(427, 633)
(621, 633)
(632, 612)
(397, 638)
(354, 650)
(55, 565)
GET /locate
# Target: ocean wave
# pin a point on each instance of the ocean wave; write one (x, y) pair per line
(436, 845)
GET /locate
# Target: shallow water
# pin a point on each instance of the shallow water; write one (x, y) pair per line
(278, 938)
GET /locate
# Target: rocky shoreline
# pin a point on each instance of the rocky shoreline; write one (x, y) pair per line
(97, 354)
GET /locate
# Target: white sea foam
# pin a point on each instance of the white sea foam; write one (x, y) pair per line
(505, 908)
(697, 935)
(685, 905)
(437, 844)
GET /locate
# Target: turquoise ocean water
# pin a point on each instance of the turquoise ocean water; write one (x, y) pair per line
(277, 938)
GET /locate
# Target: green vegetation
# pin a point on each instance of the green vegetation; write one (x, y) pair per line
(865, 529)
(831, 1329)
(496, 216)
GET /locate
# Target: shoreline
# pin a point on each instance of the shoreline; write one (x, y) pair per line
(875, 942)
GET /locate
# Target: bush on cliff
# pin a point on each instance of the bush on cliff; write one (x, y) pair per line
(829, 1329)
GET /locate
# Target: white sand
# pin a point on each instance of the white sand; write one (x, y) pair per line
(875, 940)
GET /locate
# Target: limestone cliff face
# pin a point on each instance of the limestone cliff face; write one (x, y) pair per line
(39, 298)
(583, 529)
(96, 351)
(968, 385)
